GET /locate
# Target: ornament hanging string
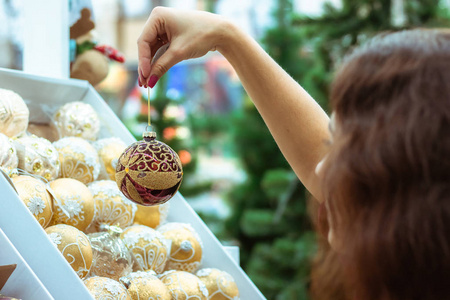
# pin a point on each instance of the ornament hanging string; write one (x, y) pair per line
(148, 104)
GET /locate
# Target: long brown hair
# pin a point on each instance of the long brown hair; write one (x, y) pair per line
(387, 176)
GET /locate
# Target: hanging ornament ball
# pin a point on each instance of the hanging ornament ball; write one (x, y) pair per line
(14, 113)
(78, 159)
(74, 246)
(8, 154)
(111, 207)
(149, 172)
(184, 285)
(152, 216)
(109, 151)
(34, 194)
(112, 258)
(220, 284)
(145, 285)
(37, 156)
(103, 288)
(77, 119)
(187, 247)
(149, 247)
(73, 203)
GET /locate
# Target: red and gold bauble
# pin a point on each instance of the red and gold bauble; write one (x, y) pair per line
(149, 172)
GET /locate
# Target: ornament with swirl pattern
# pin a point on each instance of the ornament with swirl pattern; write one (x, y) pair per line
(74, 245)
(149, 172)
(220, 284)
(184, 285)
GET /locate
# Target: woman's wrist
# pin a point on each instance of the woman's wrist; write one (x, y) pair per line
(226, 37)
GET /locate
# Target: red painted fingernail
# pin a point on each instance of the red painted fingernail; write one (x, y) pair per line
(153, 80)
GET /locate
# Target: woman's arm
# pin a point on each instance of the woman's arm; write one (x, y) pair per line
(296, 121)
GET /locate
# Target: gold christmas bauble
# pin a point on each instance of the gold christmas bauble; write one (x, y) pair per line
(109, 151)
(14, 113)
(8, 154)
(149, 247)
(37, 156)
(103, 288)
(145, 285)
(77, 119)
(220, 284)
(112, 258)
(184, 285)
(74, 246)
(111, 207)
(78, 159)
(73, 203)
(187, 247)
(152, 216)
(34, 194)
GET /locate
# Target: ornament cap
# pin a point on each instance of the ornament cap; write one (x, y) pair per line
(149, 135)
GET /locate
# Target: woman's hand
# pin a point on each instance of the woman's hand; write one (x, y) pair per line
(191, 34)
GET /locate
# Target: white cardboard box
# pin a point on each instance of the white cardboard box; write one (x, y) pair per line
(22, 276)
(27, 235)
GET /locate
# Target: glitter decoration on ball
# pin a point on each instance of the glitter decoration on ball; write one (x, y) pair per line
(14, 114)
(149, 172)
(74, 246)
(145, 285)
(187, 248)
(78, 159)
(77, 119)
(104, 288)
(73, 205)
(112, 258)
(184, 285)
(34, 194)
(220, 284)
(37, 156)
(149, 247)
(8, 154)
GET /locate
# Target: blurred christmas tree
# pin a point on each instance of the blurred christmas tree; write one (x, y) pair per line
(270, 210)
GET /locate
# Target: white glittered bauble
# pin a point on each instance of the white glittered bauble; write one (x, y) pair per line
(74, 246)
(110, 206)
(109, 151)
(103, 288)
(8, 154)
(14, 113)
(73, 203)
(184, 285)
(187, 247)
(37, 156)
(149, 247)
(77, 119)
(35, 196)
(145, 285)
(220, 284)
(78, 159)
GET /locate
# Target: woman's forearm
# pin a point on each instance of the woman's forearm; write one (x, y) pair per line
(298, 124)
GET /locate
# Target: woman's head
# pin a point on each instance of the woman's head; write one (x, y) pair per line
(387, 176)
